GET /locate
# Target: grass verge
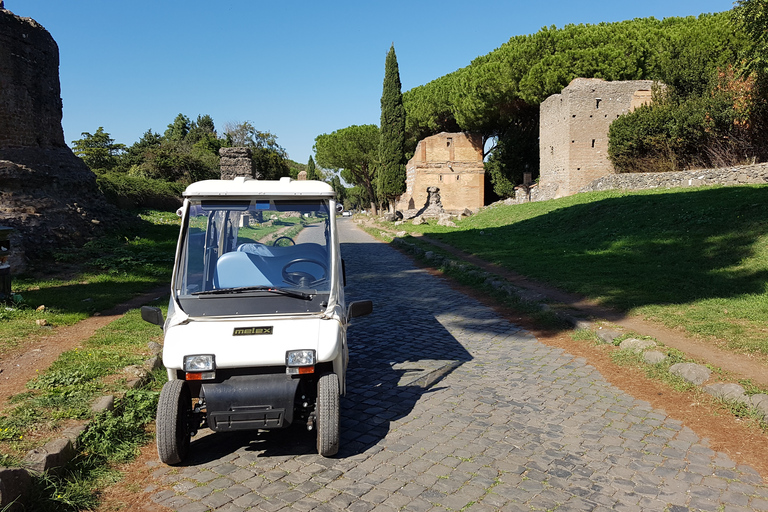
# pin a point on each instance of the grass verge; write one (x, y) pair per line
(695, 259)
(80, 282)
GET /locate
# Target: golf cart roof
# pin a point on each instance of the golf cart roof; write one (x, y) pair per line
(247, 187)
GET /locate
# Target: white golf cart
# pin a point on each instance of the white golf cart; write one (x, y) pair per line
(256, 331)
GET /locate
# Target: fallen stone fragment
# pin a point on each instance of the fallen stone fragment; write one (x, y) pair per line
(607, 335)
(153, 363)
(55, 454)
(637, 346)
(691, 372)
(727, 392)
(653, 356)
(760, 402)
(105, 403)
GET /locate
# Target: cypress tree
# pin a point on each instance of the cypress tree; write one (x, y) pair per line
(312, 173)
(392, 140)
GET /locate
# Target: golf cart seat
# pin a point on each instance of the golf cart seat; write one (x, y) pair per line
(236, 269)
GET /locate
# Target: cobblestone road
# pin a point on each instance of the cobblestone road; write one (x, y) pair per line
(450, 407)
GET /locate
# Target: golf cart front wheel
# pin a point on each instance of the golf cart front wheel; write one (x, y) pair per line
(173, 414)
(328, 415)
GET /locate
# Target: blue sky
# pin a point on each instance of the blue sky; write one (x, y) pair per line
(294, 68)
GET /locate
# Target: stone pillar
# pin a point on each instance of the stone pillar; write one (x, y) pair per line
(302, 176)
(237, 162)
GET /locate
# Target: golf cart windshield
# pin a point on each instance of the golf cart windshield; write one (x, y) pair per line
(257, 256)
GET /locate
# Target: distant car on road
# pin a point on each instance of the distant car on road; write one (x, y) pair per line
(346, 213)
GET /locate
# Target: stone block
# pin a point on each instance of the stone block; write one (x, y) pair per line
(691, 372)
(54, 454)
(607, 335)
(103, 404)
(653, 356)
(637, 346)
(727, 392)
(760, 402)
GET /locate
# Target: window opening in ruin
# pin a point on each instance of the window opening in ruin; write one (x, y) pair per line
(597, 102)
(457, 177)
(440, 177)
(593, 142)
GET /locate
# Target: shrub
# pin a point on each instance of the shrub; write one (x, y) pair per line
(130, 192)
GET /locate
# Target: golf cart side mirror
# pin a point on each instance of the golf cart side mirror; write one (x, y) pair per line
(339, 207)
(360, 308)
(152, 315)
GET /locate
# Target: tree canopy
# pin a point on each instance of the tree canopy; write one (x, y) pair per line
(187, 151)
(98, 150)
(497, 95)
(353, 151)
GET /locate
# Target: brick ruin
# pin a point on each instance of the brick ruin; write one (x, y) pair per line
(451, 162)
(47, 194)
(236, 162)
(573, 133)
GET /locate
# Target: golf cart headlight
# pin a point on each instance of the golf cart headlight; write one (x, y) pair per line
(200, 367)
(300, 361)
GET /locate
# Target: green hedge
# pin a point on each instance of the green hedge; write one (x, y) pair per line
(130, 192)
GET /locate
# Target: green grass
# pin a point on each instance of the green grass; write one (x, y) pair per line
(66, 390)
(696, 259)
(80, 282)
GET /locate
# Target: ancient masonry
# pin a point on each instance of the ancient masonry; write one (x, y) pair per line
(573, 133)
(47, 194)
(452, 162)
(236, 162)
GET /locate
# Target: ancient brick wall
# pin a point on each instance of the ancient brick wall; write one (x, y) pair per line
(453, 162)
(47, 194)
(30, 102)
(573, 134)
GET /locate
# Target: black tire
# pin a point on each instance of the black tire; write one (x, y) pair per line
(173, 413)
(327, 412)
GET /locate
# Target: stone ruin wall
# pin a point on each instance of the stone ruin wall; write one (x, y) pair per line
(452, 162)
(756, 174)
(573, 136)
(47, 194)
(30, 102)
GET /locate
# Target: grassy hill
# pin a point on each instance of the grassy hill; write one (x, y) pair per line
(691, 258)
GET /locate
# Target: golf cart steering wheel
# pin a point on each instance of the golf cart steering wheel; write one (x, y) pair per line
(283, 238)
(304, 279)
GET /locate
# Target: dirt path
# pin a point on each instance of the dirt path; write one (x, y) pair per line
(20, 365)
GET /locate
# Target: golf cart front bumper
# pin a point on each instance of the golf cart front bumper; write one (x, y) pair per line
(249, 402)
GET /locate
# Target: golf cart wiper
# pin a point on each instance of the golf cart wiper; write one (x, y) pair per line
(282, 291)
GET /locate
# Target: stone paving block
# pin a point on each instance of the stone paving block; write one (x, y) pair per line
(216, 500)
(194, 507)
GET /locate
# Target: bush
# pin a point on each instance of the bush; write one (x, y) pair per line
(130, 192)
(700, 132)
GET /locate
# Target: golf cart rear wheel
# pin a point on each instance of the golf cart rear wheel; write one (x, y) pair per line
(328, 415)
(173, 413)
